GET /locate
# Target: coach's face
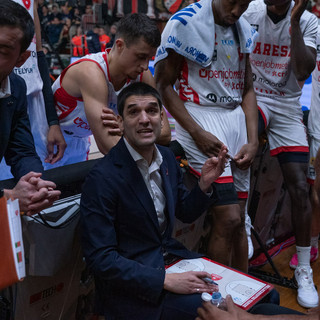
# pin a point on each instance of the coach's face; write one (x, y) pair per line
(227, 12)
(141, 122)
(10, 50)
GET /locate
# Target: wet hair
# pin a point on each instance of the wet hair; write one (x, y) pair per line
(14, 15)
(136, 89)
(137, 25)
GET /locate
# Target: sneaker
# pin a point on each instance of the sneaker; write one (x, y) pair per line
(307, 293)
(248, 231)
(314, 254)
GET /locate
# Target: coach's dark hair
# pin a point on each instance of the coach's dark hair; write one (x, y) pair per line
(14, 15)
(137, 25)
(136, 89)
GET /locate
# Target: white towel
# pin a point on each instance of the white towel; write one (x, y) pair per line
(191, 31)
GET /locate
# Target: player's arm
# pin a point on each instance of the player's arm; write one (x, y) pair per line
(165, 136)
(167, 72)
(54, 136)
(302, 68)
(246, 155)
(94, 91)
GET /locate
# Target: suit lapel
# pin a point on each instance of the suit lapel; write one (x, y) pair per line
(132, 175)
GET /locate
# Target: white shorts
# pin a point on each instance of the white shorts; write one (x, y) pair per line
(229, 126)
(314, 147)
(286, 131)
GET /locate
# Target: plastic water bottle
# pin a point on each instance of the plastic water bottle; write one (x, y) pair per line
(217, 300)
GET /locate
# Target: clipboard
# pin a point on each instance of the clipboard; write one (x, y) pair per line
(244, 289)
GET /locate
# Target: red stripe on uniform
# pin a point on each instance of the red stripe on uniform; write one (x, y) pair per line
(242, 195)
(227, 179)
(310, 181)
(276, 151)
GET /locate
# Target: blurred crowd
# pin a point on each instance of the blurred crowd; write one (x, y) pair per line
(75, 27)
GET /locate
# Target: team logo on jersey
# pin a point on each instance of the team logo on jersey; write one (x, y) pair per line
(254, 77)
(27, 3)
(212, 97)
(255, 26)
(318, 48)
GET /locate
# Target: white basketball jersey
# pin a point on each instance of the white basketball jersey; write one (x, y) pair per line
(221, 84)
(274, 80)
(29, 70)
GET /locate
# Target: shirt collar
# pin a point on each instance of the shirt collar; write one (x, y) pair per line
(157, 157)
(5, 88)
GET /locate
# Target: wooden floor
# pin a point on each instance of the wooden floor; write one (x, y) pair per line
(288, 296)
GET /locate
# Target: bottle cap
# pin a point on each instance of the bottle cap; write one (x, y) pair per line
(205, 296)
(216, 296)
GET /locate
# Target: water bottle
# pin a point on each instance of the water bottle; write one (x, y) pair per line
(217, 300)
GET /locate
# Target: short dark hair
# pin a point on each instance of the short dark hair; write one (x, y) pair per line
(137, 25)
(136, 89)
(14, 15)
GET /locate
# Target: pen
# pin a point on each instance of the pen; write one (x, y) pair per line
(208, 280)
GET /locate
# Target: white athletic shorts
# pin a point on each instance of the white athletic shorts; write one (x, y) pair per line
(229, 126)
(286, 131)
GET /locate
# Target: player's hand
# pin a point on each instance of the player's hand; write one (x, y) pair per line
(210, 312)
(298, 9)
(34, 193)
(244, 158)
(55, 138)
(207, 143)
(212, 169)
(188, 282)
(110, 120)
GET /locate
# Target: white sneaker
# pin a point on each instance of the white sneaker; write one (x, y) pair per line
(248, 231)
(307, 293)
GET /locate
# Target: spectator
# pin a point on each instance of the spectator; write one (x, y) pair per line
(54, 30)
(55, 12)
(45, 20)
(103, 38)
(93, 40)
(113, 32)
(65, 13)
(79, 43)
(64, 36)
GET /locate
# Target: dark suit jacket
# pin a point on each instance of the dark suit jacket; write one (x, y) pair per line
(16, 141)
(121, 238)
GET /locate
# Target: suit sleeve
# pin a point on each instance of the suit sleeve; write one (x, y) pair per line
(20, 153)
(189, 205)
(100, 233)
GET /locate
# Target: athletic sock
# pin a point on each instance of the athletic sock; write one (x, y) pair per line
(303, 254)
(315, 242)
